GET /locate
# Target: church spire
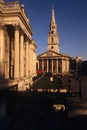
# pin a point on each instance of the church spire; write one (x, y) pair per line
(53, 39)
(53, 26)
(53, 15)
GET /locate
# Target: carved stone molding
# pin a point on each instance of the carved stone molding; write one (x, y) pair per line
(21, 32)
(2, 27)
(16, 26)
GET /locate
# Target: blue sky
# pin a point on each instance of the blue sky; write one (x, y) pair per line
(71, 19)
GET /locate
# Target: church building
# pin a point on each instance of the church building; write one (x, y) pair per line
(52, 60)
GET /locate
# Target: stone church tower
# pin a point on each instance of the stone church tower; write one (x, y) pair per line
(53, 38)
(52, 61)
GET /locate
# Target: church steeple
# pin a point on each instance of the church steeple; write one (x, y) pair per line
(53, 39)
(53, 22)
(53, 15)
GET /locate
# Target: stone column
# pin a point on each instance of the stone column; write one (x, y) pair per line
(29, 55)
(57, 66)
(26, 58)
(38, 64)
(52, 65)
(63, 65)
(67, 65)
(42, 64)
(2, 52)
(16, 50)
(47, 66)
(21, 55)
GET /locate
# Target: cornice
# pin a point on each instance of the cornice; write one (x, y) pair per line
(15, 9)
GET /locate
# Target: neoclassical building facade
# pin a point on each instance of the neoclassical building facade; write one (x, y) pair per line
(17, 48)
(52, 60)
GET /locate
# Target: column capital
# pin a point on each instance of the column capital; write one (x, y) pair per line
(2, 27)
(26, 38)
(21, 32)
(16, 26)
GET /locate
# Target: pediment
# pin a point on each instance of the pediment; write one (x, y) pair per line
(50, 54)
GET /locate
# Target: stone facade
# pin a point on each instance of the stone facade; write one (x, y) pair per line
(52, 60)
(17, 48)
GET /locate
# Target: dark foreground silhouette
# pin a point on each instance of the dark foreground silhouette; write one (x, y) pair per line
(36, 112)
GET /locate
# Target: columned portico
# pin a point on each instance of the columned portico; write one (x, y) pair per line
(54, 64)
(17, 48)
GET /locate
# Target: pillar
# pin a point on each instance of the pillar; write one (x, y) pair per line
(26, 58)
(21, 55)
(42, 64)
(16, 50)
(63, 65)
(38, 65)
(52, 65)
(29, 55)
(2, 53)
(47, 66)
(57, 65)
(68, 66)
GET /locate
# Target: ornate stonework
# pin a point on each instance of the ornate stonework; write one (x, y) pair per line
(17, 59)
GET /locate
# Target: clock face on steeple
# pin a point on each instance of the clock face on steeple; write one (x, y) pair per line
(53, 39)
